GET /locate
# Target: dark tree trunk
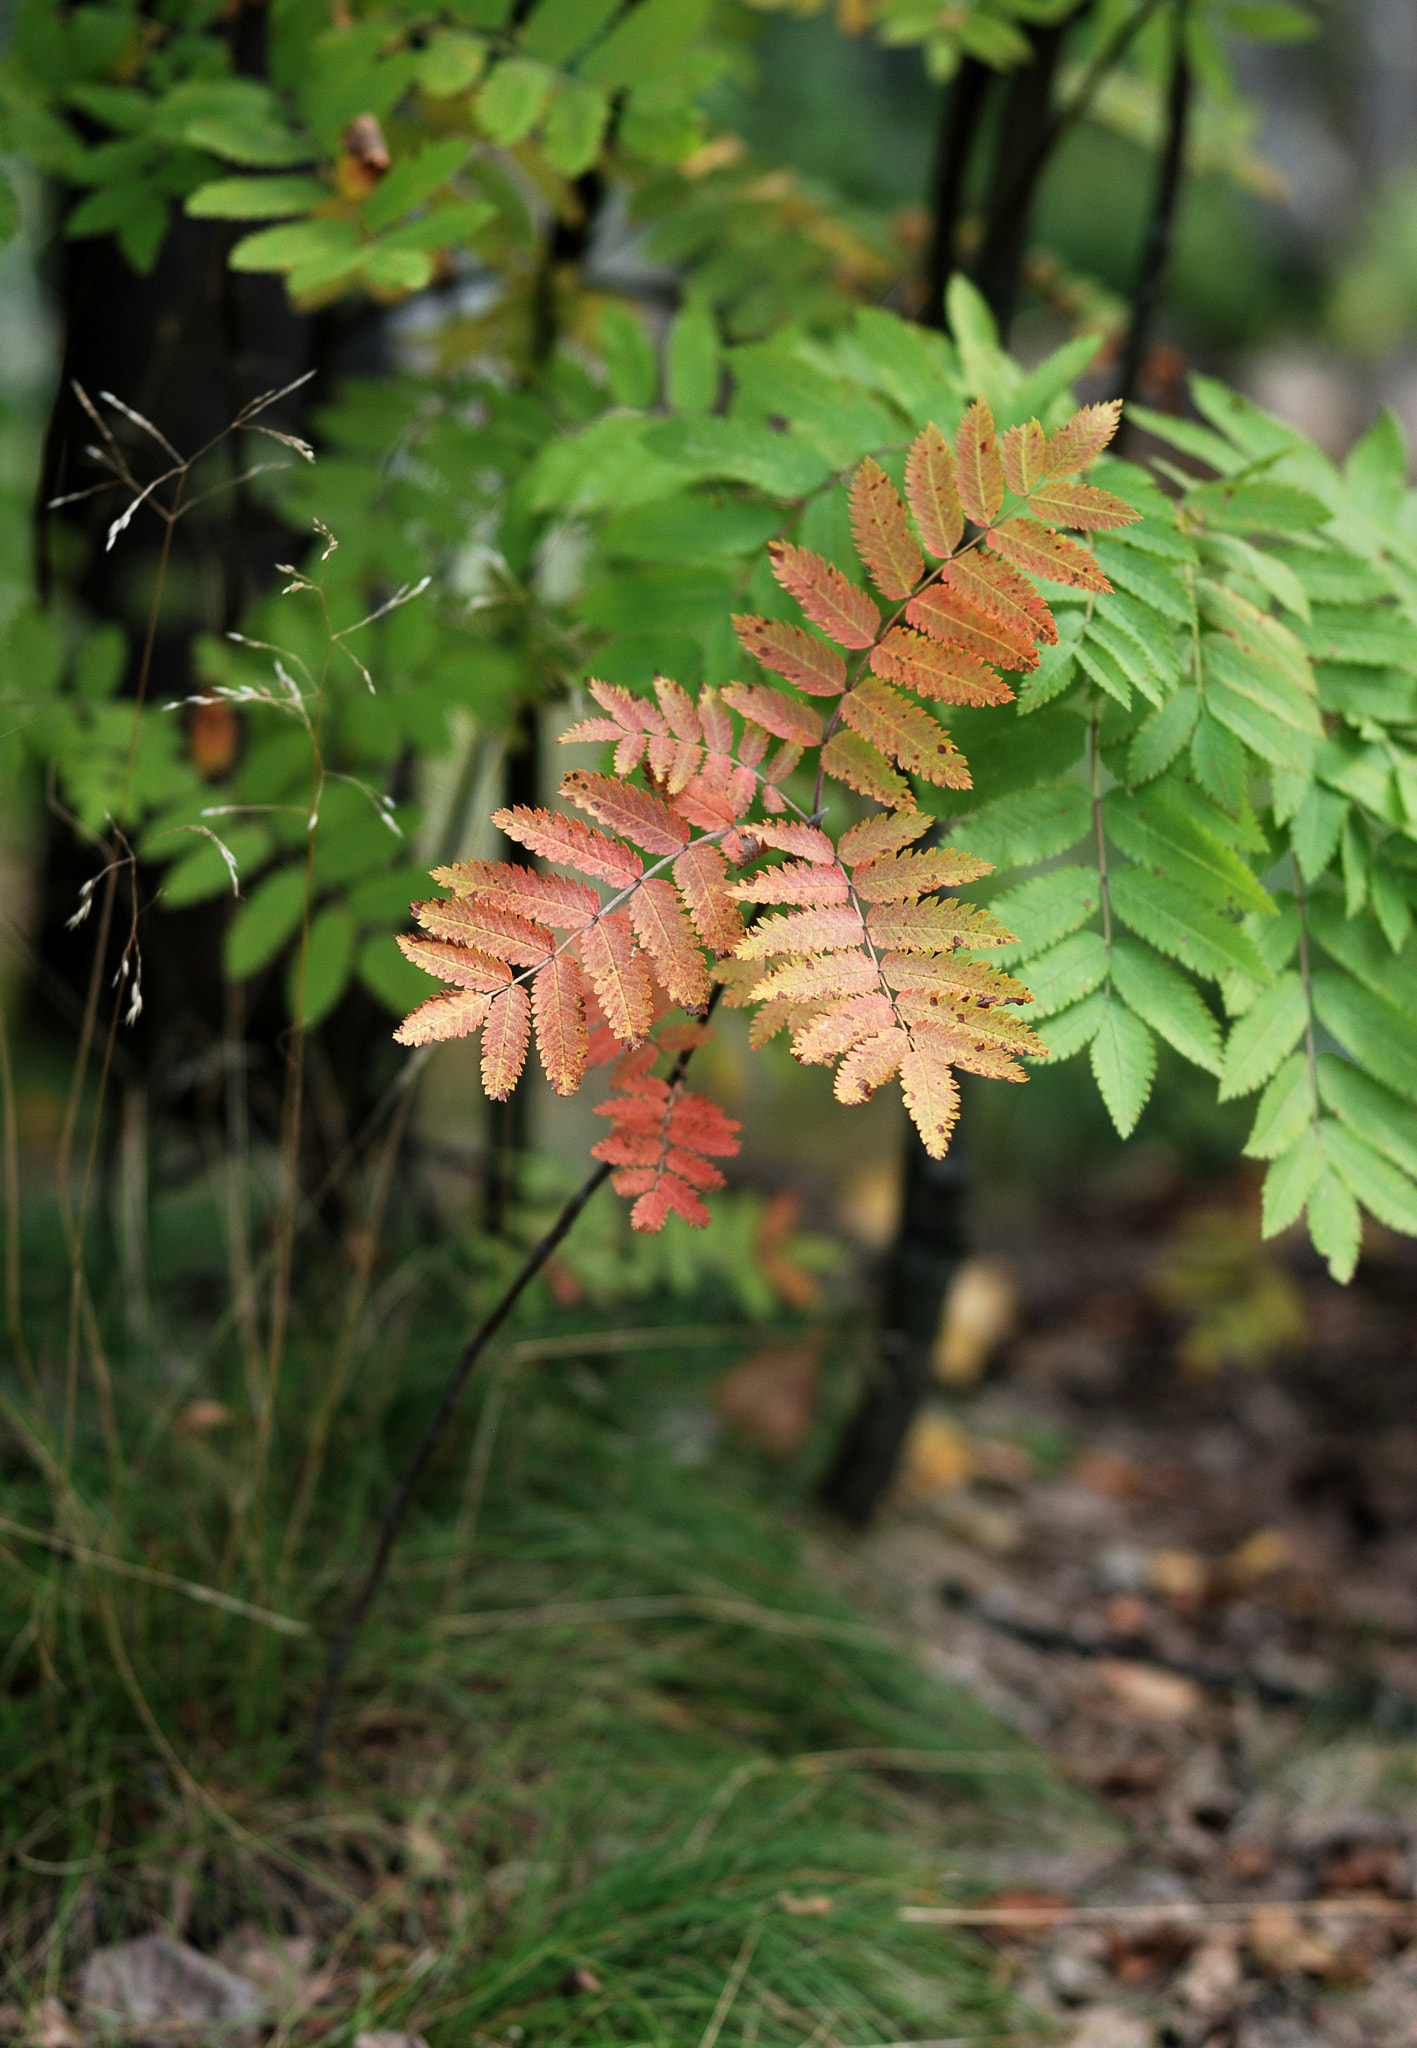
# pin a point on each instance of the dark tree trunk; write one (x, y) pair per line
(1156, 254)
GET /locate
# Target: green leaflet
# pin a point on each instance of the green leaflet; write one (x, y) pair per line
(1264, 1036)
(1382, 1119)
(1286, 1109)
(631, 364)
(1314, 830)
(1152, 643)
(1106, 670)
(1277, 935)
(1161, 736)
(389, 978)
(202, 873)
(1218, 759)
(1290, 1181)
(783, 465)
(686, 529)
(1376, 467)
(1163, 998)
(1068, 972)
(1390, 905)
(1260, 705)
(1359, 945)
(1375, 1034)
(693, 361)
(413, 181)
(1159, 828)
(1335, 1224)
(329, 960)
(1365, 636)
(1267, 570)
(574, 126)
(1069, 1032)
(1257, 505)
(1056, 667)
(1044, 909)
(264, 922)
(1160, 589)
(1168, 917)
(1374, 1179)
(612, 462)
(448, 65)
(511, 102)
(1123, 1064)
(1017, 830)
(255, 198)
(559, 29)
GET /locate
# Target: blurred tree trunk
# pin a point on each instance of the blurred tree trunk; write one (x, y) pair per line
(932, 1238)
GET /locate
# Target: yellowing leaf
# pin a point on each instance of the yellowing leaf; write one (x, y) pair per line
(882, 532)
(932, 493)
(979, 468)
(504, 1041)
(1051, 556)
(906, 733)
(825, 595)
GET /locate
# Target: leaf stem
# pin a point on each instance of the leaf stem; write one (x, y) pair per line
(1310, 1048)
(397, 1511)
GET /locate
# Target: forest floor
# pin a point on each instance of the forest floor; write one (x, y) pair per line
(1193, 1582)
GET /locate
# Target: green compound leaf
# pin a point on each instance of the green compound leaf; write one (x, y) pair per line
(255, 198)
(264, 923)
(1044, 909)
(1335, 1224)
(1123, 1064)
(1382, 1119)
(329, 958)
(1168, 917)
(1290, 1181)
(1163, 998)
(1286, 1108)
(1263, 1037)
(1374, 1180)
(1069, 1032)
(1070, 971)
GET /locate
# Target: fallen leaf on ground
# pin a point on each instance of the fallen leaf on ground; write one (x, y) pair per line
(1144, 1693)
(48, 2025)
(1258, 1558)
(1284, 1944)
(158, 1983)
(769, 1399)
(937, 1456)
(980, 1310)
(1181, 1576)
(1108, 2026)
(278, 1965)
(1210, 1982)
(1110, 1473)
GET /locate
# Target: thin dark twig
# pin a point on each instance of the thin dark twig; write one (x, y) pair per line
(397, 1510)
(1161, 233)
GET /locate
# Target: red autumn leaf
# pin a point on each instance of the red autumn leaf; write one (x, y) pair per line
(939, 669)
(558, 1005)
(933, 493)
(783, 716)
(557, 837)
(504, 1041)
(1052, 556)
(882, 532)
(790, 652)
(979, 470)
(634, 813)
(1082, 439)
(825, 595)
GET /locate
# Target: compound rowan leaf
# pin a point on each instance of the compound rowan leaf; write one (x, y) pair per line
(866, 1067)
(998, 589)
(557, 837)
(499, 932)
(930, 1090)
(504, 1041)
(1052, 556)
(634, 813)
(1022, 451)
(808, 842)
(932, 493)
(619, 977)
(702, 875)
(979, 470)
(825, 595)
(849, 973)
(444, 1017)
(904, 877)
(784, 717)
(804, 931)
(906, 733)
(1081, 506)
(848, 758)
(882, 532)
(790, 652)
(939, 669)
(1081, 439)
(967, 982)
(664, 931)
(501, 885)
(558, 1006)
(887, 832)
(678, 708)
(934, 927)
(806, 882)
(946, 615)
(841, 1027)
(455, 963)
